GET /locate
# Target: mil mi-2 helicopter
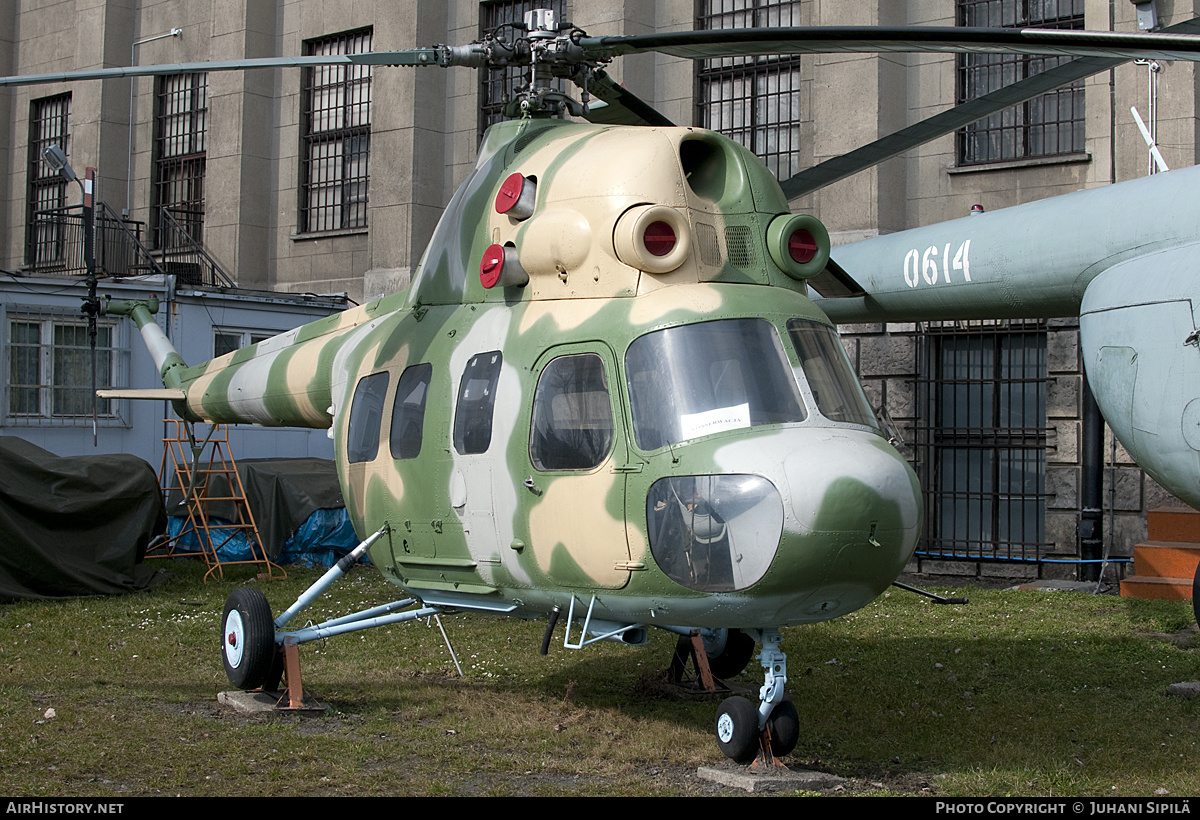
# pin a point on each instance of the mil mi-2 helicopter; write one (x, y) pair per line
(607, 391)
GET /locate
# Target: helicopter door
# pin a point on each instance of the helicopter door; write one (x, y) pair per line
(571, 508)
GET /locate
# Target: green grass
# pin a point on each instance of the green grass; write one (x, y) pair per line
(1021, 693)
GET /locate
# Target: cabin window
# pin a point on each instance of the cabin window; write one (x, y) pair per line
(694, 380)
(366, 412)
(714, 533)
(408, 412)
(476, 400)
(838, 394)
(572, 416)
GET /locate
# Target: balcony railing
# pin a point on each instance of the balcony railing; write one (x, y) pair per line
(56, 247)
(56, 244)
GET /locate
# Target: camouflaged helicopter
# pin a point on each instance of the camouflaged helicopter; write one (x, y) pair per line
(607, 390)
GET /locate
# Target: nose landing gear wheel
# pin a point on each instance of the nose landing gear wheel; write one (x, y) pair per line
(785, 728)
(737, 729)
(247, 638)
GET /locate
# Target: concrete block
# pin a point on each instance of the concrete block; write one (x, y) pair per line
(1062, 351)
(1154, 496)
(969, 568)
(888, 356)
(1061, 530)
(1062, 488)
(1125, 489)
(1007, 571)
(1062, 397)
(1062, 446)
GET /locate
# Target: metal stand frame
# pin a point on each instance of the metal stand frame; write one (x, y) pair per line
(191, 475)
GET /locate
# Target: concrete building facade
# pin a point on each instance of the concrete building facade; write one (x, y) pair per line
(320, 181)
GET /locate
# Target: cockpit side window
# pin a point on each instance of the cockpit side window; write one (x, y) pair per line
(572, 425)
(408, 411)
(476, 400)
(837, 392)
(366, 413)
(695, 380)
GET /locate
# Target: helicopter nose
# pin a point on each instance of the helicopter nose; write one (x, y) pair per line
(848, 480)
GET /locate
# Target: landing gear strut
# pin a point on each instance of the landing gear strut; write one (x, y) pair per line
(771, 730)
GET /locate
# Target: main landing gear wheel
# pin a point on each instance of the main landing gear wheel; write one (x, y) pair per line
(729, 651)
(737, 729)
(247, 638)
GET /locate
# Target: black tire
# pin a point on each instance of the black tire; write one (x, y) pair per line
(737, 729)
(247, 638)
(275, 674)
(1196, 595)
(732, 655)
(784, 723)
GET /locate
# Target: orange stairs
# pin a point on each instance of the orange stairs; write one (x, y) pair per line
(1164, 565)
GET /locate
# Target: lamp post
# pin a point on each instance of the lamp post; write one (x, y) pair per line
(56, 158)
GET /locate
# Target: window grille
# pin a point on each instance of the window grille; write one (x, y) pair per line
(754, 100)
(496, 87)
(337, 137)
(1049, 125)
(981, 441)
(49, 124)
(49, 368)
(227, 339)
(180, 151)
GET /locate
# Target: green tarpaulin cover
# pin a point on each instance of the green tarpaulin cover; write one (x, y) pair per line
(74, 526)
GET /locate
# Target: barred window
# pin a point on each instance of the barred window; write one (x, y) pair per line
(337, 137)
(45, 239)
(754, 100)
(496, 86)
(982, 449)
(180, 146)
(1049, 125)
(49, 365)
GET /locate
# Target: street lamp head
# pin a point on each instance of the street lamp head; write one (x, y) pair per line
(56, 158)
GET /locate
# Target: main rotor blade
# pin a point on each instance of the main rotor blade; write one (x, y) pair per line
(920, 39)
(620, 106)
(947, 122)
(412, 56)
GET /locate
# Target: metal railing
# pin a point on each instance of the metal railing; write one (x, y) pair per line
(56, 244)
(183, 254)
(56, 247)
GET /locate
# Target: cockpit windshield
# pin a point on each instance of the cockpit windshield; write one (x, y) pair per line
(694, 380)
(837, 392)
